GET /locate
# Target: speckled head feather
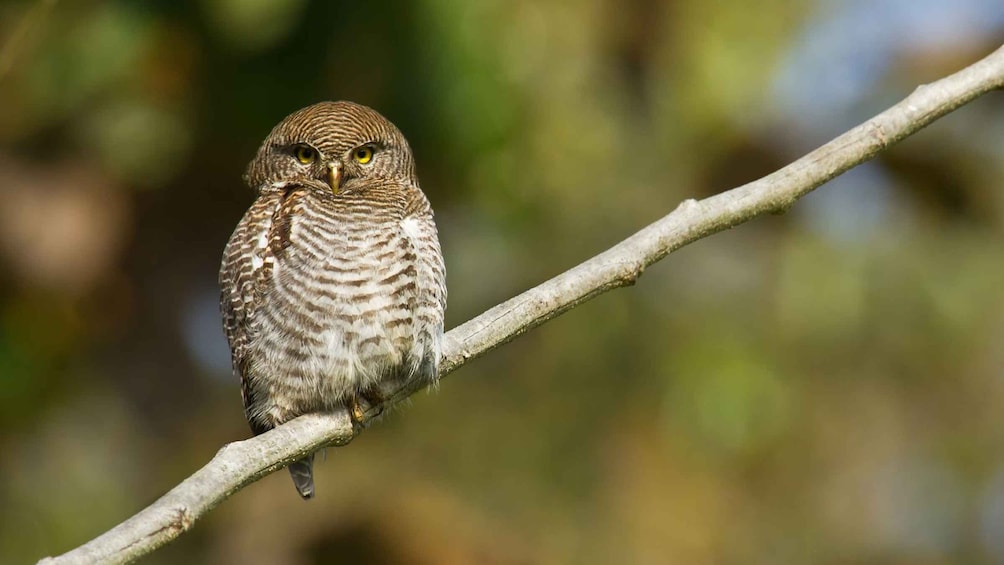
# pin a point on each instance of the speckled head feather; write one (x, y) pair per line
(334, 129)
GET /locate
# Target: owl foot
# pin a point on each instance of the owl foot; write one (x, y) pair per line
(357, 410)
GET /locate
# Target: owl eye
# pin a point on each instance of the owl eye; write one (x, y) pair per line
(305, 154)
(363, 154)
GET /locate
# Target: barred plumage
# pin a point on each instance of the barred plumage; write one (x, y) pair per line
(333, 283)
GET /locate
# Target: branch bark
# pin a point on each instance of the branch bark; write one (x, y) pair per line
(240, 463)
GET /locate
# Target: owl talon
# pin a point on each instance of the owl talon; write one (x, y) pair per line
(356, 411)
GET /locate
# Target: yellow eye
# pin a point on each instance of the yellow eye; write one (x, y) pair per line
(363, 154)
(305, 154)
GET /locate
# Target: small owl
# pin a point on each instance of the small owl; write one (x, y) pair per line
(333, 283)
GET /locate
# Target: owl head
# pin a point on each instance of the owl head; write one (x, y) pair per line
(338, 144)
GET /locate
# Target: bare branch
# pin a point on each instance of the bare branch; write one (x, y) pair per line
(243, 462)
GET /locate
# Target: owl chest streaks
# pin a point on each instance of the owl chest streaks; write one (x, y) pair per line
(342, 304)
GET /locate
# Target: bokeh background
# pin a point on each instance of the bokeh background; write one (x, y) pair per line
(824, 386)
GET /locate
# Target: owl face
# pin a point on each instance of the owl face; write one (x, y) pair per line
(338, 144)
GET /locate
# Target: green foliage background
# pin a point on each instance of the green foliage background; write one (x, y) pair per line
(823, 386)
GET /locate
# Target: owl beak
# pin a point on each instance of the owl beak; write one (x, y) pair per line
(334, 176)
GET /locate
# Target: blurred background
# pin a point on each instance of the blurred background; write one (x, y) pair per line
(824, 386)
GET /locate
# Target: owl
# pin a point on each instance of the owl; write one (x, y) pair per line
(333, 283)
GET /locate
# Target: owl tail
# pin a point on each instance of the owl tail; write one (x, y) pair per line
(303, 476)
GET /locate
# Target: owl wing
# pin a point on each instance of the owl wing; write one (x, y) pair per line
(246, 268)
(419, 229)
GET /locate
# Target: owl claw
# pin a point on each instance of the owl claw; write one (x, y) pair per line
(373, 400)
(356, 412)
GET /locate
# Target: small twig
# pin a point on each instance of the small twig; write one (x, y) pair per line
(244, 462)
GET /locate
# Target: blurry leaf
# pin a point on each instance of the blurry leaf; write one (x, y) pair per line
(728, 392)
(253, 25)
(141, 143)
(62, 226)
(85, 56)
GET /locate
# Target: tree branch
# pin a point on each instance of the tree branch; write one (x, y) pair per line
(243, 462)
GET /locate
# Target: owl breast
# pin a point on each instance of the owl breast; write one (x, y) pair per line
(353, 299)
